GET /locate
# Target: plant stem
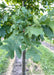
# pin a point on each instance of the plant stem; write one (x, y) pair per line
(23, 62)
(24, 52)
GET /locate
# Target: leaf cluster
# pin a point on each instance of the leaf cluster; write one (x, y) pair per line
(24, 31)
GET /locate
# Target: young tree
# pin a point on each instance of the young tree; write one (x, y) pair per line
(23, 28)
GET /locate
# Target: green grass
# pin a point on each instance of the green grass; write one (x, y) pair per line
(47, 60)
(3, 61)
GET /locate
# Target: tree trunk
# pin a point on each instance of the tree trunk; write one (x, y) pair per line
(24, 52)
(23, 62)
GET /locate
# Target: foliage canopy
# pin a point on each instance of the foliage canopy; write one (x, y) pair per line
(23, 29)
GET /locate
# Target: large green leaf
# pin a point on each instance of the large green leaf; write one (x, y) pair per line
(18, 52)
(6, 17)
(10, 45)
(51, 24)
(30, 30)
(45, 20)
(2, 32)
(3, 5)
(33, 53)
(36, 21)
(48, 32)
(51, 13)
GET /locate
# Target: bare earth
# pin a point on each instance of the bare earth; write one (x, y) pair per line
(49, 46)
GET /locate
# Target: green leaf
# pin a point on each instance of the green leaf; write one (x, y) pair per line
(24, 10)
(27, 40)
(3, 5)
(2, 32)
(33, 53)
(48, 32)
(51, 24)
(0, 42)
(18, 52)
(42, 19)
(45, 20)
(30, 30)
(51, 13)
(36, 58)
(6, 17)
(11, 54)
(36, 21)
(20, 27)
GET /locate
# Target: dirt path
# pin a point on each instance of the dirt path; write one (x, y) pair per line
(49, 46)
(32, 69)
(17, 67)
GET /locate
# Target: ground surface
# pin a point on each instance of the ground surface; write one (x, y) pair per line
(15, 68)
(49, 46)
